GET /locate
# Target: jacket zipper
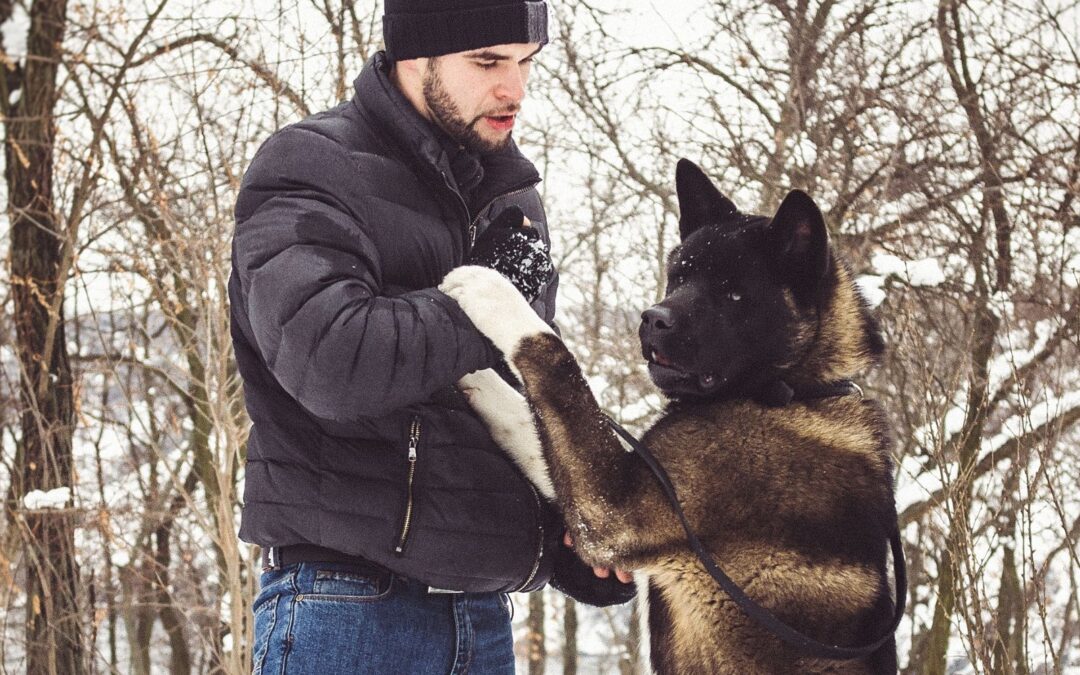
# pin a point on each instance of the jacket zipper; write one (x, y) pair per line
(414, 442)
(475, 221)
(539, 541)
(471, 230)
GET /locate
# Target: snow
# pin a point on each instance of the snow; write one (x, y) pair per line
(1014, 356)
(954, 421)
(15, 31)
(1001, 304)
(121, 558)
(872, 288)
(1071, 275)
(1036, 415)
(642, 408)
(933, 434)
(915, 482)
(924, 272)
(53, 499)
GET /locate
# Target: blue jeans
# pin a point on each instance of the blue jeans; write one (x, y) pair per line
(327, 618)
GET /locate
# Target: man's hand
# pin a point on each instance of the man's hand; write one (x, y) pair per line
(514, 249)
(602, 572)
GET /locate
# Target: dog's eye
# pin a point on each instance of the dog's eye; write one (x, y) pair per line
(734, 296)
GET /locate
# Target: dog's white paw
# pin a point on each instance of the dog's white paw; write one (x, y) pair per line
(510, 422)
(493, 304)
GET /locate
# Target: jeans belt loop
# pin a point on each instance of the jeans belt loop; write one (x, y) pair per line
(271, 559)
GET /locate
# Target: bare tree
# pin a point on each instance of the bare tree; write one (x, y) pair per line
(54, 634)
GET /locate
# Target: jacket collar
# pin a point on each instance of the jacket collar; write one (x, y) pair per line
(379, 100)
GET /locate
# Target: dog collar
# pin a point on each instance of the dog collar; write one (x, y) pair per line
(779, 393)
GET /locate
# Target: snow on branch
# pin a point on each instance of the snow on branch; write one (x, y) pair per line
(57, 498)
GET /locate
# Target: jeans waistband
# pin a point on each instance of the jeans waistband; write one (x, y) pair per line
(279, 556)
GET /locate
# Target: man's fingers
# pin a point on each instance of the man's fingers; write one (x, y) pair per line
(601, 572)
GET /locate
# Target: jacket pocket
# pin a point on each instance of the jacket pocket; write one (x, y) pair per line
(406, 519)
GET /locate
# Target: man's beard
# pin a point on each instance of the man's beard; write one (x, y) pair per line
(449, 117)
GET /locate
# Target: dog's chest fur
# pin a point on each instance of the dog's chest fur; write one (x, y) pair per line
(782, 478)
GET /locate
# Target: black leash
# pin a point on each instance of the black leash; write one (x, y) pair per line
(762, 616)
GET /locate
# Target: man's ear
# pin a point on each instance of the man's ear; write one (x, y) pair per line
(700, 203)
(797, 241)
(409, 72)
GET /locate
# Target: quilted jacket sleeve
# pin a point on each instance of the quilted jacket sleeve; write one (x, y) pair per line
(310, 288)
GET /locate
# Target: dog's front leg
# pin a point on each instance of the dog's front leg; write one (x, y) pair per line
(615, 512)
(508, 418)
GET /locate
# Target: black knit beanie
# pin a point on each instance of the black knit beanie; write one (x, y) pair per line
(418, 28)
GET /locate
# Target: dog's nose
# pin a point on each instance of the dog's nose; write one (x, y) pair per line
(658, 317)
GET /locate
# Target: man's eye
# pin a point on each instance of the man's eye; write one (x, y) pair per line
(486, 65)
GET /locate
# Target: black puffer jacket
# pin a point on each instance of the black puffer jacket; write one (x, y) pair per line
(345, 224)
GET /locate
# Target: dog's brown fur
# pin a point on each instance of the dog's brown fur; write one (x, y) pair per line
(794, 502)
(758, 485)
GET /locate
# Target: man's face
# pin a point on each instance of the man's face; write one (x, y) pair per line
(475, 96)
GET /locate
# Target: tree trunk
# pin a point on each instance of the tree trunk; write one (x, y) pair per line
(952, 39)
(633, 639)
(951, 572)
(138, 618)
(54, 640)
(1010, 656)
(570, 637)
(535, 636)
(172, 620)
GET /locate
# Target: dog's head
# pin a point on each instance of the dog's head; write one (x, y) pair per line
(753, 300)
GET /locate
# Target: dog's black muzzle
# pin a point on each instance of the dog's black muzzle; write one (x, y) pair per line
(659, 334)
(658, 318)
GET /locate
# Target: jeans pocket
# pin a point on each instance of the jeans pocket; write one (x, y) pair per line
(265, 619)
(343, 585)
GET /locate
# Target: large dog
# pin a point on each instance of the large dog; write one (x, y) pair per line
(792, 495)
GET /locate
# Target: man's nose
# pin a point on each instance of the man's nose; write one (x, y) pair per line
(511, 86)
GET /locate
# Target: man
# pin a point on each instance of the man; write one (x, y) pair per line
(392, 526)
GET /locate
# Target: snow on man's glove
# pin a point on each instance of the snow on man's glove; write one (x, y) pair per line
(515, 251)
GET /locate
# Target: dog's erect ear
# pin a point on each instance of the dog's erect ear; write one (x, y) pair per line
(799, 243)
(700, 203)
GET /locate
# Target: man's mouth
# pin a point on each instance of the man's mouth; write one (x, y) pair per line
(500, 122)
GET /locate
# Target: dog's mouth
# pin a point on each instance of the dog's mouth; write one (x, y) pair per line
(660, 360)
(673, 379)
